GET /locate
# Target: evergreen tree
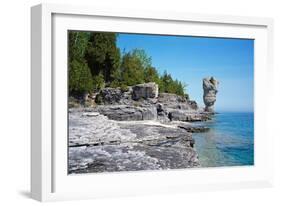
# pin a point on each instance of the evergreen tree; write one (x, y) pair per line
(131, 70)
(151, 75)
(145, 60)
(98, 82)
(77, 44)
(95, 62)
(80, 78)
(166, 82)
(168, 85)
(102, 55)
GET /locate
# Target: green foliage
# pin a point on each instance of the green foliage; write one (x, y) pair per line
(132, 71)
(168, 85)
(77, 43)
(116, 79)
(166, 80)
(98, 99)
(124, 88)
(95, 62)
(151, 75)
(103, 55)
(98, 82)
(144, 59)
(186, 96)
(80, 78)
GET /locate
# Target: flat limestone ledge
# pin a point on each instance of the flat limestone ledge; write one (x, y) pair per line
(128, 112)
(188, 115)
(97, 144)
(148, 112)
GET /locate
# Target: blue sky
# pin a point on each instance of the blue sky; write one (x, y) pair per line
(190, 59)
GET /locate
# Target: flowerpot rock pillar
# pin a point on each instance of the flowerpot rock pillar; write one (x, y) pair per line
(210, 86)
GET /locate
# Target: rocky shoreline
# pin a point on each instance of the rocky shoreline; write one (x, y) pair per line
(137, 129)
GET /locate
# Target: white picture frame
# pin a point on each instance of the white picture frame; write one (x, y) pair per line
(49, 181)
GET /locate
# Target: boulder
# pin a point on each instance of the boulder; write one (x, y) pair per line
(193, 129)
(145, 91)
(210, 90)
(198, 117)
(162, 114)
(193, 104)
(187, 115)
(109, 96)
(160, 108)
(177, 115)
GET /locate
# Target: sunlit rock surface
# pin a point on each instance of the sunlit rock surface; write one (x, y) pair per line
(145, 91)
(210, 87)
(97, 144)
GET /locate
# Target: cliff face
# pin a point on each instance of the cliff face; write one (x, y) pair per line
(136, 129)
(210, 86)
(148, 90)
(143, 102)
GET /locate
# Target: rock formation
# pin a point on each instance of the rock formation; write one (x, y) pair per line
(142, 102)
(136, 129)
(128, 113)
(145, 91)
(187, 116)
(109, 96)
(210, 90)
(97, 144)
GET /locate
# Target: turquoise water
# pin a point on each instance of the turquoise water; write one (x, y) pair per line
(230, 141)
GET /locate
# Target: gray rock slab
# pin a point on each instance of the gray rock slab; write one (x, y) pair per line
(98, 144)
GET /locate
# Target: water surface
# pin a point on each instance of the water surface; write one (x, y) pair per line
(230, 141)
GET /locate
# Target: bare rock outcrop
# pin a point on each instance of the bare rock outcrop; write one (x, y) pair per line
(144, 102)
(175, 101)
(128, 113)
(98, 144)
(136, 129)
(145, 91)
(88, 128)
(109, 96)
(210, 86)
(187, 115)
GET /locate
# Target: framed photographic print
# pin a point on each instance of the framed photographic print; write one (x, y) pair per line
(135, 102)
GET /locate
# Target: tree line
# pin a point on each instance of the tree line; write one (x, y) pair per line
(95, 62)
